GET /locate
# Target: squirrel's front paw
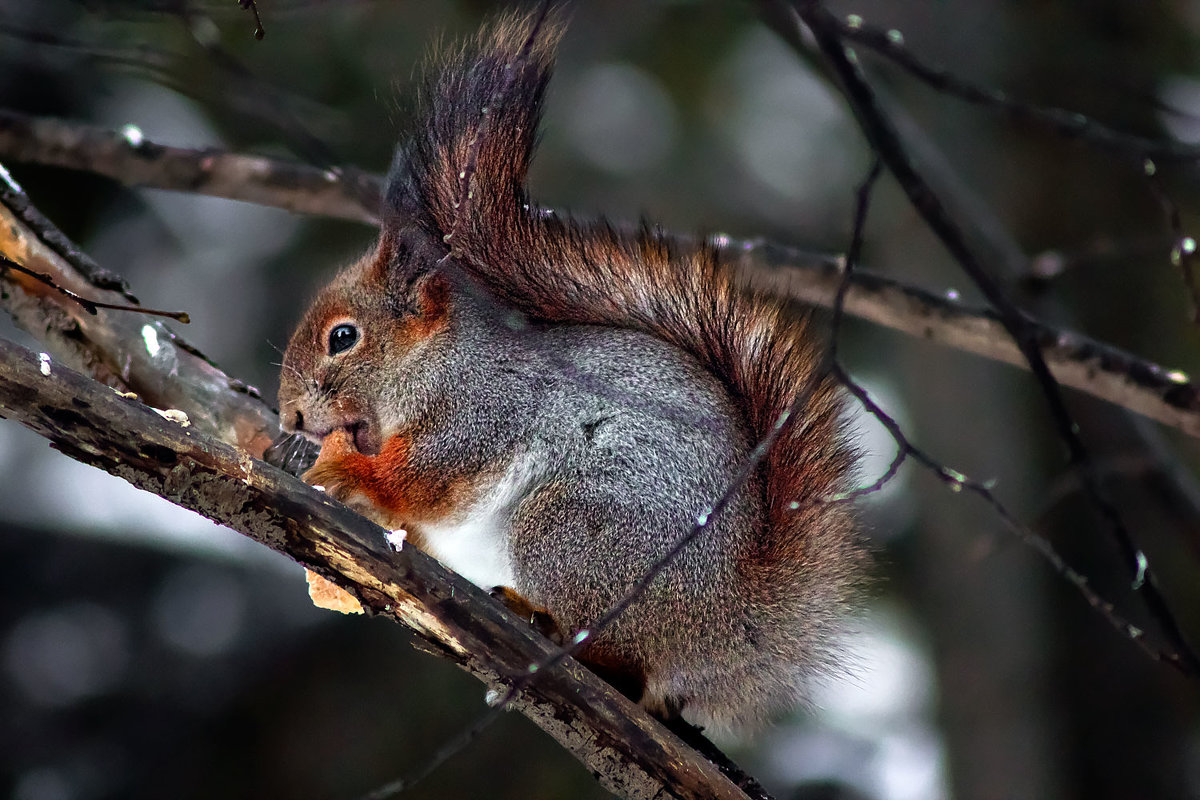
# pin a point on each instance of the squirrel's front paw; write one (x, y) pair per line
(342, 473)
(333, 471)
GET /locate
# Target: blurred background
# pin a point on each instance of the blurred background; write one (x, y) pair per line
(147, 653)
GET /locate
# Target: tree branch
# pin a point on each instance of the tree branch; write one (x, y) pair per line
(126, 351)
(628, 751)
(1162, 394)
(196, 467)
(1101, 370)
(1060, 121)
(127, 156)
(884, 139)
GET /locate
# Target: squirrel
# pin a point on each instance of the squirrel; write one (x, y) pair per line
(548, 405)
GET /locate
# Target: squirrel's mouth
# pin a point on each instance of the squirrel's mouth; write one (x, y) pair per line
(364, 436)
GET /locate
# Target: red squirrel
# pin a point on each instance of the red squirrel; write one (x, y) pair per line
(547, 405)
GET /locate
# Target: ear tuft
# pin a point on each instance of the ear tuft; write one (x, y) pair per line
(408, 255)
(476, 122)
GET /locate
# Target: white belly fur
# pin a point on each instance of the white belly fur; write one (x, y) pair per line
(476, 546)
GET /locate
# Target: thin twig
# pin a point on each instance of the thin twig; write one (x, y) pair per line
(1183, 250)
(240, 90)
(955, 480)
(259, 33)
(1062, 122)
(1163, 394)
(881, 134)
(87, 305)
(1140, 150)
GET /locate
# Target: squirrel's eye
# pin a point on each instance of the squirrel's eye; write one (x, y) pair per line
(342, 338)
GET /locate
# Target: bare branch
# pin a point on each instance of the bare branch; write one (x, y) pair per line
(879, 130)
(953, 479)
(127, 156)
(125, 351)
(629, 752)
(237, 88)
(88, 305)
(1060, 121)
(1183, 249)
(1168, 396)
(1162, 394)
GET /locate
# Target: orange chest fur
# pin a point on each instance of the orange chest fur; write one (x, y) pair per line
(393, 482)
(463, 520)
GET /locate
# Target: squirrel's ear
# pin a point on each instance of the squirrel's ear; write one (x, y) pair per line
(378, 265)
(403, 255)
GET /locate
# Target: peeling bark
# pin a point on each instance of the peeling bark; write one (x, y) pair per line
(630, 753)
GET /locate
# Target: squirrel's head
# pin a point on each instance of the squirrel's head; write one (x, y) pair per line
(355, 357)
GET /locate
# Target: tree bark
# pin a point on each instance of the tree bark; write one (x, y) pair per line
(1166, 395)
(630, 753)
(205, 459)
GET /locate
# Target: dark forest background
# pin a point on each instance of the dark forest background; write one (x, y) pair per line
(146, 653)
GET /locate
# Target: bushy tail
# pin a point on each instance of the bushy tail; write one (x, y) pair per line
(477, 125)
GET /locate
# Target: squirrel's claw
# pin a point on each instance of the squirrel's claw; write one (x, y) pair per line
(292, 453)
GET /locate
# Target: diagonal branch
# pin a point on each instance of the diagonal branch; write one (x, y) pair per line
(628, 751)
(126, 351)
(127, 156)
(1166, 395)
(886, 142)
(1141, 150)
(956, 481)
(208, 464)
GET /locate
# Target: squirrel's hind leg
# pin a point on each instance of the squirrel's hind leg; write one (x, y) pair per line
(540, 618)
(568, 535)
(623, 676)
